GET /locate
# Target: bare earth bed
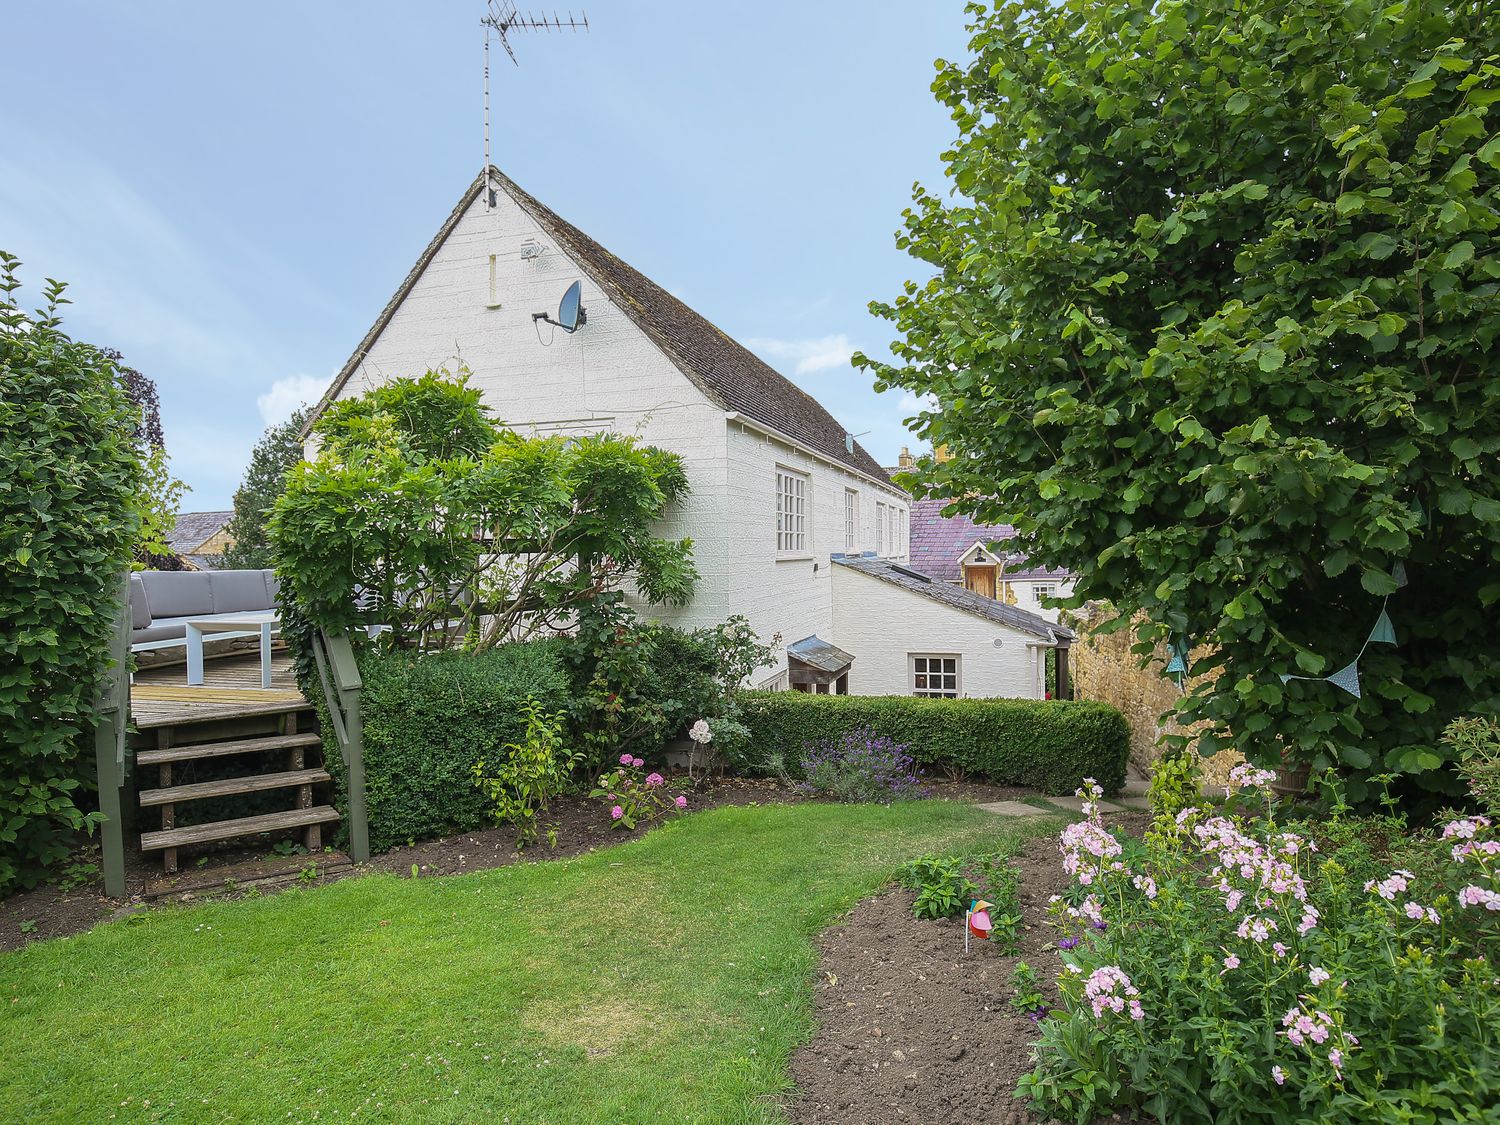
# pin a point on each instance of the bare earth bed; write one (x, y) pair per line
(910, 1028)
(224, 870)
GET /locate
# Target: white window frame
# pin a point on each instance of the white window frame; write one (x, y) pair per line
(951, 681)
(851, 521)
(1042, 590)
(893, 545)
(793, 512)
(880, 529)
(902, 533)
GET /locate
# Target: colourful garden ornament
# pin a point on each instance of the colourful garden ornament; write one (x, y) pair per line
(977, 921)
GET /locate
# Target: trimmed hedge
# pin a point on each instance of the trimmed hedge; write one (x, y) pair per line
(1051, 745)
(427, 720)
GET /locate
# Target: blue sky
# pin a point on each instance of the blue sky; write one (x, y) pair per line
(234, 191)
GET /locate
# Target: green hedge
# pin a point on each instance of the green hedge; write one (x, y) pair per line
(427, 720)
(68, 525)
(1051, 745)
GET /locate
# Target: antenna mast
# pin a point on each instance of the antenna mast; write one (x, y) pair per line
(501, 19)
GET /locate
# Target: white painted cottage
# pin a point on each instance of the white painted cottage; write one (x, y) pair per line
(794, 525)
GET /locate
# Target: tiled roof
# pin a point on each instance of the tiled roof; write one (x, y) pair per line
(938, 541)
(729, 374)
(193, 529)
(955, 596)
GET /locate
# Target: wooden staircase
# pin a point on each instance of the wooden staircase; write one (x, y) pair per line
(286, 749)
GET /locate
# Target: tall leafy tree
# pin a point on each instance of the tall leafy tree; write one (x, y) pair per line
(276, 454)
(1211, 323)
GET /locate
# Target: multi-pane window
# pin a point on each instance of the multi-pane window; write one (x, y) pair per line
(791, 511)
(851, 521)
(892, 544)
(1043, 590)
(905, 544)
(934, 676)
(880, 511)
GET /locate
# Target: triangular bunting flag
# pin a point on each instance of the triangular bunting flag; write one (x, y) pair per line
(1384, 632)
(1347, 678)
(1175, 666)
(1398, 572)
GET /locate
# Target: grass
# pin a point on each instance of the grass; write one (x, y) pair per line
(668, 979)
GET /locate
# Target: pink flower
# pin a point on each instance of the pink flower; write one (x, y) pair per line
(624, 759)
(1478, 896)
(1336, 1057)
(1279, 1075)
(1230, 962)
(616, 813)
(1317, 975)
(681, 802)
(1279, 949)
(637, 762)
(654, 779)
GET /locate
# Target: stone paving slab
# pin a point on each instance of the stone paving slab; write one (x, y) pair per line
(1013, 808)
(1133, 802)
(1075, 804)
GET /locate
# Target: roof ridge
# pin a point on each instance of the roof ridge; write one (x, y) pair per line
(729, 374)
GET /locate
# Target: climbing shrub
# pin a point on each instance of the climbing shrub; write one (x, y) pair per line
(68, 526)
(1050, 745)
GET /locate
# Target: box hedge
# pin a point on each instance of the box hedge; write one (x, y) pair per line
(427, 720)
(1051, 745)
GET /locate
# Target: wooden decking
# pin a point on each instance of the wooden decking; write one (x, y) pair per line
(161, 697)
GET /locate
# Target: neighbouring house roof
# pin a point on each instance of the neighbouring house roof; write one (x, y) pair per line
(956, 597)
(939, 541)
(732, 377)
(193, 529)
(820, 654)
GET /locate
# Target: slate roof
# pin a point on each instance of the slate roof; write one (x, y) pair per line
(937, 542)
(193, 529)
(955, 597)
(729, 374)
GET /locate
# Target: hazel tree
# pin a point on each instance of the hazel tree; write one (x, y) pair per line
(1211, 323)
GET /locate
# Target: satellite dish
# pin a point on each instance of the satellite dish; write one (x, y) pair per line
(571, 315)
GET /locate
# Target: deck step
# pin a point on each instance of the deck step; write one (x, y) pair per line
(229, 829)
(229, 786)
(222, 749)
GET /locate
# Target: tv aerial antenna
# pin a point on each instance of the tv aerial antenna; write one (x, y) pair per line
(501, 20)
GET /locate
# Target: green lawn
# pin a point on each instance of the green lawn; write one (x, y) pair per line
(668, 979)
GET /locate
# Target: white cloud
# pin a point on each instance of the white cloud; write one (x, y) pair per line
(806, 356)
(281, 401)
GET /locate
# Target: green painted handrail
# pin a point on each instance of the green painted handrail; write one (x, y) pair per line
(112, 706)
(339, 674)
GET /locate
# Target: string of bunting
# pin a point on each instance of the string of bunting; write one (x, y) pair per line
(1347, 677)
(1383, 633)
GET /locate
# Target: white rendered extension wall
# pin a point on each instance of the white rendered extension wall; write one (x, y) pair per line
(1026, 595)
(473, 307)
(791, 593)
(881, 625)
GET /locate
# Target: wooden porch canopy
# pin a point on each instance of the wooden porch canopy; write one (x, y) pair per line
(814, 661)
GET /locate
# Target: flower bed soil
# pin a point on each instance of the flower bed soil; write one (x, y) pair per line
(226, 869)
(912, 1028)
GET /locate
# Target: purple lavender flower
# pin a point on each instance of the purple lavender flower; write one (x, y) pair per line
(1101, 925)
(861, 766)
(1068, 943)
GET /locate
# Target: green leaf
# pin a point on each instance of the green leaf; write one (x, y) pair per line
(1457, 256)
(1238, 103)
(1271, 358)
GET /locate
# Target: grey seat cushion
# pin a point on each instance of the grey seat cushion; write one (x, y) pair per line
(161, 631)
(140, 609)
(239, 591)
(178, 593)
